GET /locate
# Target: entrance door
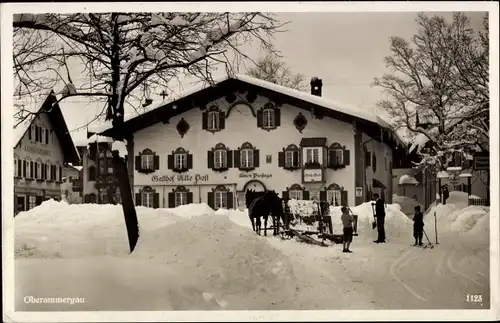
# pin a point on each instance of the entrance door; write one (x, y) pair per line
(20, 203)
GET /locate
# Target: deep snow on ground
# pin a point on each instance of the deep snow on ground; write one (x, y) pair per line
(192, 258)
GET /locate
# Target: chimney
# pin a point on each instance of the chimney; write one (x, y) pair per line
(148, 102)
(316, 85)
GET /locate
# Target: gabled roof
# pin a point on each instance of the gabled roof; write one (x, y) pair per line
(51, 107)
(371, 123)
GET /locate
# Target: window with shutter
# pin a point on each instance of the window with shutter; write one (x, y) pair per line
(180, 159)
(29, 169)
(268, 117)
(221, 156)
(147, 161)
(148, 199)
(247, 157)
(291, 157)
(19, 168)
(213, 121)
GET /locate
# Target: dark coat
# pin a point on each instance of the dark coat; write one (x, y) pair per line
(379, 208)
(418, 220)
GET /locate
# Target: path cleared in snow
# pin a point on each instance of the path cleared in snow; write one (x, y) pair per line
(191, 258)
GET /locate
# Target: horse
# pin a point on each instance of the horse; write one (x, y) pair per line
(267, 204)
(251, 195)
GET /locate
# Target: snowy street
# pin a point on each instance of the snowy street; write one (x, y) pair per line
(191, 258)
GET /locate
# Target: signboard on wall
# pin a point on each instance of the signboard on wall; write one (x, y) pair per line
(313, 175)
(255, 175)
(359, 192)
(37, 150)
(175, 179)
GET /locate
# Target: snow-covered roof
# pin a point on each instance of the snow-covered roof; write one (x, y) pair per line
(321, 101)
(53, 111)
(408, 179)
(443, 174)
(97, 138)
(465, 175)
(453, 169)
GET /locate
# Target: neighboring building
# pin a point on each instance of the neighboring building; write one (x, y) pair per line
(423, 185)
(71, 187)
(243, 133)
(99, 185)
(42, 147)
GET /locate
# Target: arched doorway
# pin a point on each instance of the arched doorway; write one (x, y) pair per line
(255, 185)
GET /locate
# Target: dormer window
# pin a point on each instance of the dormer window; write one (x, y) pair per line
(289, 158)
(180, 160)
(246, 157)
(268, 117)
(338, 156)
(147, 161)
(220, 158)
(213, 119)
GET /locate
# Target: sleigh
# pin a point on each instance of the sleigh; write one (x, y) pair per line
(310, 222)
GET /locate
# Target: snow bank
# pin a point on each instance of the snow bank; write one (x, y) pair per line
(197, 256)
(57, 229)
(396, 222)
(214, 251)
(406, 203)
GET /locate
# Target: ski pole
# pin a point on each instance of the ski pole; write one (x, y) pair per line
(435, 227)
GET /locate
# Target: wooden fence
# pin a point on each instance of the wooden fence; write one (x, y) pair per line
(478, 202)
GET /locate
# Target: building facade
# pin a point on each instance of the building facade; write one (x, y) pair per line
(99, 184)
(213, 145)
(71, 188)
(42, 147)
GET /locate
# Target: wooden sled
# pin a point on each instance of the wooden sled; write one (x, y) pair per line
(336, 238)
(304, 238)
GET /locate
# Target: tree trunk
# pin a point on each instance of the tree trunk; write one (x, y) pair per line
(127, 201)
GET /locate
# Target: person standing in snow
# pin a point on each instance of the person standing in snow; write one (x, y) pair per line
(380, 217)
(418, 226)
(347, 221)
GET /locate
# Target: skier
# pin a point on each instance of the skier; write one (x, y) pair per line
(380, 216)
(347, 221)
(418, 226)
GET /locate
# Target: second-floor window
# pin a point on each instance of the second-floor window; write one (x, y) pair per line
(312, 155)
(147, 162)
(220, 158)
(180, 161)
(289, 158)
(246, 156)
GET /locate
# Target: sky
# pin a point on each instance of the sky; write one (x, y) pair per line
(345, 50)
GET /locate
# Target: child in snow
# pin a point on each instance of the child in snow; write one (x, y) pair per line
(347, 221)
(418, 226)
